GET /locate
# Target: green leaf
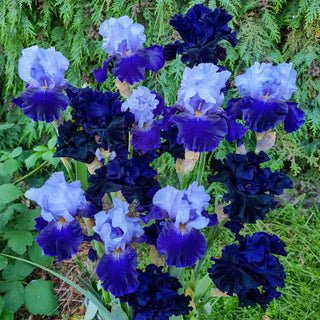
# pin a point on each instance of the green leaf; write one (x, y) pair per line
(7, 315)
(104, 312)
(19, 240)
(40, 148)
(15, 152)
(3, 262)
(14, 296)
(91, 311)
(1, 304)
(30, 161)
(201, 287)
(117, 313)
(17, 271)
(9, 193)
(40, 299)
(26, 219)
(36, 255)
(52, 142)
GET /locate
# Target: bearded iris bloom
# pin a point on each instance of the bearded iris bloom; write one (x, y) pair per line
(157, 296)
(265, 89)
(60, 232)
(201, 30)
(250, 270)
(251, 189)
(117, 267)
(123, 40)
(43, 70)
(184, 214)
(146, 106)
(202, 123)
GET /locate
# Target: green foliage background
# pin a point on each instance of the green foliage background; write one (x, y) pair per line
(268, 31)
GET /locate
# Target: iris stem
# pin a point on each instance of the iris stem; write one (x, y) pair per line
(201, 167)
(42, 165)
(68, 166)
(82, 174)
(213, 235)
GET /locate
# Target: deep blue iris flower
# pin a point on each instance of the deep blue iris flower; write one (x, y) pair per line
(265, 89)
(201, 30)
(100, 115)
(43, 70)
(74, 142)
(134, 177)
(249, 269)
(123, 40)
(251, 189)
(60, 232)
(157, 296)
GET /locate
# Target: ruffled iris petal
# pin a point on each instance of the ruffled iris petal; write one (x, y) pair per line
(294, 118)
(200, 134)
(131, 68)
(228, 274)
(101, 74)
(146, 139)
(247, 208)
(118, 272)
(263, 115)
(42, 104)
(60, 239)
(182, 250)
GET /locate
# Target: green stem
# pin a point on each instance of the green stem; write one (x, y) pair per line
(213, 235)
(82, 174)
(202, 164)
(67, 165)
(42, 165)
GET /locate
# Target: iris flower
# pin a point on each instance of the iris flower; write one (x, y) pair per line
(201, 30)
(99, 114)
(146, 106)
(117, 267)
(251, 189)
(60, 232)
(123, 40)
(157, 296)
(202, 123)
(250, 270)
(265, 89)
(43, 70)
(183, 214)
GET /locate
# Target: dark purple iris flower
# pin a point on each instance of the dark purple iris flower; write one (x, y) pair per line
(184, 214)
(74, 142)
(202, 123)
(249, 269)
(134, 177)
(43, 70)
(201, 30)
(60, 232)
(157, 296)
(117, 267)
(265, 89)
(123, 40)
(250, 188)
(100, 115)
